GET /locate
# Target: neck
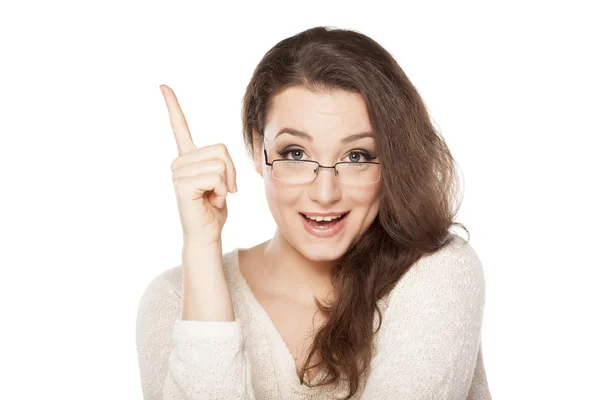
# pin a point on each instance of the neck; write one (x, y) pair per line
(291, 274)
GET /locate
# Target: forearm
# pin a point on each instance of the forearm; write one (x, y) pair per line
(206, 296)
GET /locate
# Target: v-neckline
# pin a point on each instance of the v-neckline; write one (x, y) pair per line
(289, 365)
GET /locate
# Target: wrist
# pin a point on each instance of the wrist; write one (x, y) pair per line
(196, 253)
(201, 243)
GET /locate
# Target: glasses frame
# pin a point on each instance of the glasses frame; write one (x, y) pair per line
(319, 166)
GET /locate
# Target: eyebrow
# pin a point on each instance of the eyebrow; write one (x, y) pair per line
(304, 135)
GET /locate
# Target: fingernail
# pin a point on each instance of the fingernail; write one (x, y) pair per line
(235, 188)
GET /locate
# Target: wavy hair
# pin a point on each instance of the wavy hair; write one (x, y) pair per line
(419, 182)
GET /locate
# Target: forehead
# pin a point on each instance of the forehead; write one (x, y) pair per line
(322, 114)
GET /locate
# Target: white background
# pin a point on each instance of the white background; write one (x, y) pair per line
(88, 214)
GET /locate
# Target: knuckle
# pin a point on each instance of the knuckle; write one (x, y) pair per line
(222, 148)
(175, 164)
(221, 184)
(177, 180)
(178, 172)
(178, 184)
(220, 178)
(222, 165)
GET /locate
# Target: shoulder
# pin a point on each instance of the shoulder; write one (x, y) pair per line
(167, 282)
(443, 291)
(456, 260)
(454, 270)
(160, 302)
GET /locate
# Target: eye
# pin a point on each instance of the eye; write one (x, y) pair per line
(355, 156)
(296, 154)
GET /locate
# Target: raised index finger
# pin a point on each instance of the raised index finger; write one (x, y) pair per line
(178, 122)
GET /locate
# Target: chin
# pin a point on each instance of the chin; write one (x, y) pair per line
(323, 251)
(320, 249)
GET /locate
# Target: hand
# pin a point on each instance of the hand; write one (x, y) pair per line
(202, 178)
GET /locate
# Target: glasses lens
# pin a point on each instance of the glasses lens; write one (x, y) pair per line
(358, 173)
(294, 171)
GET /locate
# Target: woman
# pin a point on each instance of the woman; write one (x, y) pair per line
(363, 292)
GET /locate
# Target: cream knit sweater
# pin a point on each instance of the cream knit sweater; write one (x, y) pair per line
(428, 347)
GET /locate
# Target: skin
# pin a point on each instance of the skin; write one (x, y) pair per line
(294, 263)
(202, 178)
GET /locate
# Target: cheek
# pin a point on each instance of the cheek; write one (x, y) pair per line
(366, 201)
(367, 197)
(280, 196)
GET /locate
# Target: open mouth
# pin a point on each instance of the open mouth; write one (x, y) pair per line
(324, 225)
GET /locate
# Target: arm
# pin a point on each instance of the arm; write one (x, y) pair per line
(430, 341)
(207, 361)
(187, 359)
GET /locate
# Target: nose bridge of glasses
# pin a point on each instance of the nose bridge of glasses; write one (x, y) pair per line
(323, 167)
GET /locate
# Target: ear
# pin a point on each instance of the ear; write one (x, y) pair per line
(257, 147)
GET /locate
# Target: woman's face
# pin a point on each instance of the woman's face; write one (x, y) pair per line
(327, 119)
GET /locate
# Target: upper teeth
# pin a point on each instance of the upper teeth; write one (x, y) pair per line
(328, 218)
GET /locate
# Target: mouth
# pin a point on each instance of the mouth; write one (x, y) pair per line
(324, 228)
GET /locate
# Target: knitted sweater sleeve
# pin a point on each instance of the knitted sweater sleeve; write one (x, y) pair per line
(180, 359)
(430, 346)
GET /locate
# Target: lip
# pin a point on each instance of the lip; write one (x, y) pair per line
(324, 233)
(329, 214)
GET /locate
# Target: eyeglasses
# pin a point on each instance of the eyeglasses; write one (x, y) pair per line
(305, 171)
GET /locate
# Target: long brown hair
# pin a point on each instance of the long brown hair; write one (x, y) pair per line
(419, 182)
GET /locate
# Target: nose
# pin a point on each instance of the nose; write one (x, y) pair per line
(325, 188)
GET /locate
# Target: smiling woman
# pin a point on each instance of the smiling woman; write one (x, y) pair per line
(363, 291)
